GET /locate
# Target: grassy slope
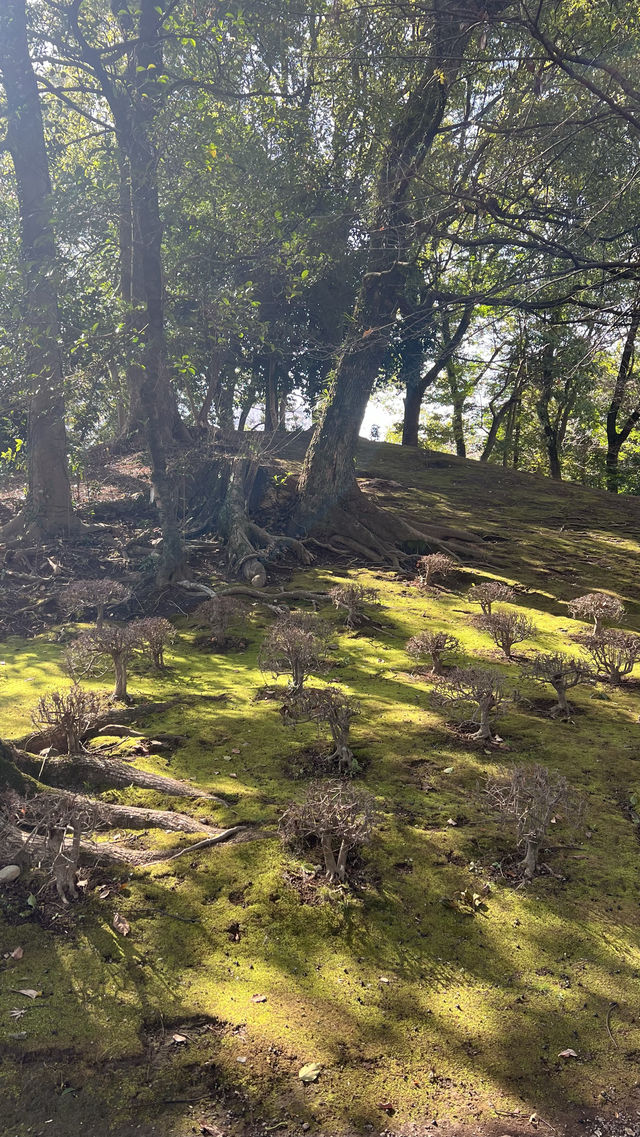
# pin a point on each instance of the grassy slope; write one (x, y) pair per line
(475, 1010)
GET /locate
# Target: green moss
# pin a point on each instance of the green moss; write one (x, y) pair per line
(400, 997)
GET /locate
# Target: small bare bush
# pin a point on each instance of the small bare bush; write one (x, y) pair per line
(478, 689)
(45, 832)
(154, 633)
(99, 594)
(532, 797)
(115, 642)
(434, 566)
(432, 646)
(561, 672)
(614, 652)
(489, 593)
(219, 614)
(505, 628)
(327, 707)
(336, 816)
(352, 599)
(295, 645)
(597, 607)
(73, 712)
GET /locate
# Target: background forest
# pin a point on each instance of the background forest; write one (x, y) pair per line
(226, 183)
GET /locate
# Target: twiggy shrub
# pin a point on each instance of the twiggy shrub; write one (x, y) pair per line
(561, 672)
(353, 599)
(154, 634)
(532, 796)
(432, 647)
(115, 642)
(489, 593)
(478, 689)
(432, 567)
(336, 816)
(73, 712)
(613, 651)
(597, 607)
(219, 614)
(505, 628)
(46, 831)
(295, 645)
(327, 707)
(99, 594)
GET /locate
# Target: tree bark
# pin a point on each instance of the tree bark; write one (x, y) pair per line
(49, 508)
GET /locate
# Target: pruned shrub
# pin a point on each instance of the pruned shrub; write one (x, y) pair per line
(488, 593)
(432, 646)
(478, 689)
(154, 633)
(532, 797)
(613, 651)
(505, 628)
(74, 712)
(328, 707)
(45, 832)
(432, 567)
(352, 599)
(295, 645)
(99, 594)
(561, 672)
(219, 614)
(337, 817)
(597, 607)
(114, 642)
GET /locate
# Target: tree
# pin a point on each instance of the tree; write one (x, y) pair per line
(481, 688)
(532, 797)
(327, 476)
(505, 628)
(337, 817)
(562, 673)
(49, 510)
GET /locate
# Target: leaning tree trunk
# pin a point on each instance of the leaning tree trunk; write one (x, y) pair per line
(49, 509)
(328, 471)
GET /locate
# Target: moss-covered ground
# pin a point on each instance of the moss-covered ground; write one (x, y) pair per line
(417, 1011)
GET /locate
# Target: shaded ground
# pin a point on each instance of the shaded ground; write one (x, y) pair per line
(417, 1012)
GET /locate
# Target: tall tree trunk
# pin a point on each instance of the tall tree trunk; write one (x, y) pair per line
(616, 438)
(410, 376)
(328, 471)
(49, 509)
(132, 294)
(549, 430)
(271, 395)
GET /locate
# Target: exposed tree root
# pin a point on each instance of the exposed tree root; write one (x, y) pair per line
(358, 526)
(135, 817)
(70, 769)
(293, 595)
(110, 853)
(249, 546)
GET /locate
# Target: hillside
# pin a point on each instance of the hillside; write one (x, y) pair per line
(242, 965)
